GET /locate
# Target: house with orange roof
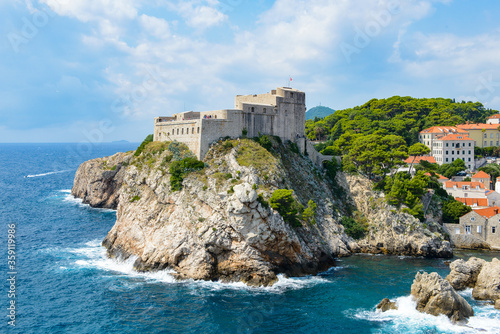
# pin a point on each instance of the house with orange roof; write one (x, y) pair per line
(452, 147)
(493, 119)
(482, 177)
(441, 178)
(484, 135)
(477, 229)
(475, 203)
(427, 136)
(465, 189)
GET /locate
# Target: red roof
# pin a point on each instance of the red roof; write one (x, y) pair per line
(481, 175)
(488, 212)
(473, 185)
(442, 129)
(494, 116)
(456, 137)
(440, 177)
(471, 201)
(478, 126)
(420, 158)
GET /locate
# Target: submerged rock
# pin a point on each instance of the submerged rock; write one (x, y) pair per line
(464, 274)
(436, 296)
(386, 305)
(487, 286)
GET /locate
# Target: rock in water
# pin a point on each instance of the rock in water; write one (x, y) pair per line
(386, 305)
(464, 274)
(488, 282)
(436, 296)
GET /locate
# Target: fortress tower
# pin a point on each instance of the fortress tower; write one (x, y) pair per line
(279, 113)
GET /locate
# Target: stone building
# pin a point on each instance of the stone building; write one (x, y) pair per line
(477, 229)
(279, 113)
(484, 135)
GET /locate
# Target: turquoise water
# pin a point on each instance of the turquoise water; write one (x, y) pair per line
(66, 284)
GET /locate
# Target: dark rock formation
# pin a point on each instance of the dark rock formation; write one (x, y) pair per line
(386, 305)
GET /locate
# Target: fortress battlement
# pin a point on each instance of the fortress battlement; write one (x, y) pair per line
(279, 113)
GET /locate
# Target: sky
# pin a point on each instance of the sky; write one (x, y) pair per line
(101, 70)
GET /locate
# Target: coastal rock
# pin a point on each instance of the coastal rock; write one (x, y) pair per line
(392, 231)
(97, 182)
(497, 304)
(436, 296)
(464, 274)
(216, 227)
(488, 282)
(386, 305)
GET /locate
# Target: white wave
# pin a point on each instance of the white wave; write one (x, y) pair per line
(93, 255)
(408, 320)
(49, 173)
(79, 202)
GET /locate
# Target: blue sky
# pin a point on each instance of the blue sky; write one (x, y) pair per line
(89, 70)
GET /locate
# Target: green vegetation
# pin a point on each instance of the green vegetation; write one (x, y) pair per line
(402, 189)
(252, 154)
(179, 169)
(352, 228)
(449, 170)
(309, 213)
(135, 199)
(265, 142)
(400, 116)
(141, 147)
(282, 201)
(262, 201)
(453, 210)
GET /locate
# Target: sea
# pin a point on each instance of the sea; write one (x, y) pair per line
(61, 281)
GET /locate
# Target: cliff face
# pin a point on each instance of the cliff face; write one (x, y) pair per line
(391, 231)
(220, 227)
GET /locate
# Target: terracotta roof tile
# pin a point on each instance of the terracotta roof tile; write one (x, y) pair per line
(481, 175)
(471, 201)
(442, 129)
(440, 177)
(477, 126)
(488, 212)
(473, 185)
(420, 158)
(456, 137)
(494, 116)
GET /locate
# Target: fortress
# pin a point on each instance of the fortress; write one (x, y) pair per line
(279, 113)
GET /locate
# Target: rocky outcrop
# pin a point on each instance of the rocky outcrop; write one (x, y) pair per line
(487, 286)
(436, 296)
(386, 305)
(464, 274)
(391, 231)
(97, 182)
(219, 226)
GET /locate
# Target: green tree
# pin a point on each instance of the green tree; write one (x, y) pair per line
(416, 150)
(352, 228)
(453, 210)
(147, 140)
(282, 201)
(309, 213)
(450, 170)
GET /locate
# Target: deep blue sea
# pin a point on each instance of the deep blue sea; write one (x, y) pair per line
(64, 283)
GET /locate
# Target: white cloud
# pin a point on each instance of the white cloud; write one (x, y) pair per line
(91, 10)
(155, 26)
(200, 14)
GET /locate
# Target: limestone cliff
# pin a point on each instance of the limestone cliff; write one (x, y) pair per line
(391, 231)
(219, 226)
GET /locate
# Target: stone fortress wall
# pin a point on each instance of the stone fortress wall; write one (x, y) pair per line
(280, 113)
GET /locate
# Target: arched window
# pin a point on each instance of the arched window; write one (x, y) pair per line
(182, 131)
(198, 129)
(177, 131)
(192, 130)
(253, 109)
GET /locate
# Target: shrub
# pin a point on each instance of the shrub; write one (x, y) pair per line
(135, 199)
(352, 228)
(244, 132)
(141, 147)
(283, 202)
(294, 148)
(265, 142)
(262, 201)
(309, 213)
(179, 169)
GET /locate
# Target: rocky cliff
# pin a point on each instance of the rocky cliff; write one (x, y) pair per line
(219, 225)
(391, 231)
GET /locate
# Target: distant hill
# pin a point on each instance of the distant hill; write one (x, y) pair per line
(319, 111)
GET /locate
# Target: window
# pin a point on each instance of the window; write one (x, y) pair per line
(469, 159)
(498, 135)
(457, 230)
(479, 229)
(452, 152)
(265, 110)
(252, 109)
(446, 159)
(168, 134)
(446, 152)
(491, 135)
(182, 131)
(177, 131)
(198, 129)
(485, 135)
(485, 143)
(491, 143)
(467, 229)
(493, 229)
(192, 131)
(469, 152)
(446, 144)
(469, 144)
(497, 142)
